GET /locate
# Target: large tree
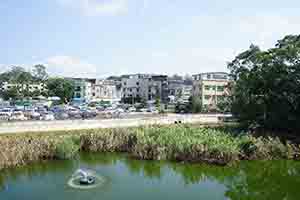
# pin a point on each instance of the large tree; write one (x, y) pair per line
(20, 78)
(60, 87)
(40, 72)
(267, 85)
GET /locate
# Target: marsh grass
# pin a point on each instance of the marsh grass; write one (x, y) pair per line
(184, 143)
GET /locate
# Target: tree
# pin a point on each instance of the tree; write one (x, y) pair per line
(195, 104)
(11, 94)
(158, 102)
(60, 87)
(224, 104)
(267, 85)
(40, 72)
(21, 79)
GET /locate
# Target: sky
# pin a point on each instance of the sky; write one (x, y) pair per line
(98, 38)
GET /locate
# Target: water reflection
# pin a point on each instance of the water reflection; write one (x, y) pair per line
(248, 180)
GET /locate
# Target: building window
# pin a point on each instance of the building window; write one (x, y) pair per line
(78, 95)
(220, 88)
(207, 87)
(206, 97)
(130, 90)
(149, 90)
(208, 76)
(94, 94)
(124, 89)
(137, 83)
(213, 87)
(138, 89)
(124, 83)
(78, 88)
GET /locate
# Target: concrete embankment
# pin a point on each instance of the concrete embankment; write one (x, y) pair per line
(40, 126)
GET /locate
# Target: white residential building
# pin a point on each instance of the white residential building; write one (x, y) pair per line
(211, 87)
(144, 86)
(30, 87)
(106, 90)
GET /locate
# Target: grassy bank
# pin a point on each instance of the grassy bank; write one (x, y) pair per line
(177, 142)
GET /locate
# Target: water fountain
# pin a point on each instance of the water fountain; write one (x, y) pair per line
(86, 179)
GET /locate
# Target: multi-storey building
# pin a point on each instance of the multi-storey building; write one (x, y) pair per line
(179, 91)
(31, 87)
(146, 87)
(187, 91)
(87, 90)
(211, 87)
(106, 90)
(83, 89)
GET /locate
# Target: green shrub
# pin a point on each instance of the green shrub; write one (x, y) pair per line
(67, 147)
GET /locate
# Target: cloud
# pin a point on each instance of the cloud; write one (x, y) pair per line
(98, 7)
(70, 67)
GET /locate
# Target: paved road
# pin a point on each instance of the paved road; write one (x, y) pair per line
(38, 126)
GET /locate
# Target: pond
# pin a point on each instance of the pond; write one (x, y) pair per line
(132, 179)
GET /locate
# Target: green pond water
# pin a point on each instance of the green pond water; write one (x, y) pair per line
(131, 179)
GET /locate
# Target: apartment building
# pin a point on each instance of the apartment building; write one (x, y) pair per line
(83, 89)
(30, 87)
(88, 90)
(146, 87)
(106, 90)
(211, 87)
(179, 91)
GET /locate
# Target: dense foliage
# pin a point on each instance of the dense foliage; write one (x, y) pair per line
(267, 85)
(188, 143)
(60, 87)
(20, 79)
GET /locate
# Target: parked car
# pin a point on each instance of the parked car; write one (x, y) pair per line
(7, 110)
(143, 110)
(18, 116)
(152, 110)
(4, 116)
(61, 116)
(86, 114)
(41, 110)
(57, 109)
(48, 116)
(132, 109)
(31, 114)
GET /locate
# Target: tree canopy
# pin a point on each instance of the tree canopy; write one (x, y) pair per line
(60, 87)
(40, 72)
(267, 85)
(21, 79)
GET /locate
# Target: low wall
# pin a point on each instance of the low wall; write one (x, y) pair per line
(38, 126)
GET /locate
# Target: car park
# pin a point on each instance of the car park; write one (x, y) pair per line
(131, 109)
(32, 114)
(4, 116)
(87, 114)
(18, 116)
(48, 116)
(61, 116)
